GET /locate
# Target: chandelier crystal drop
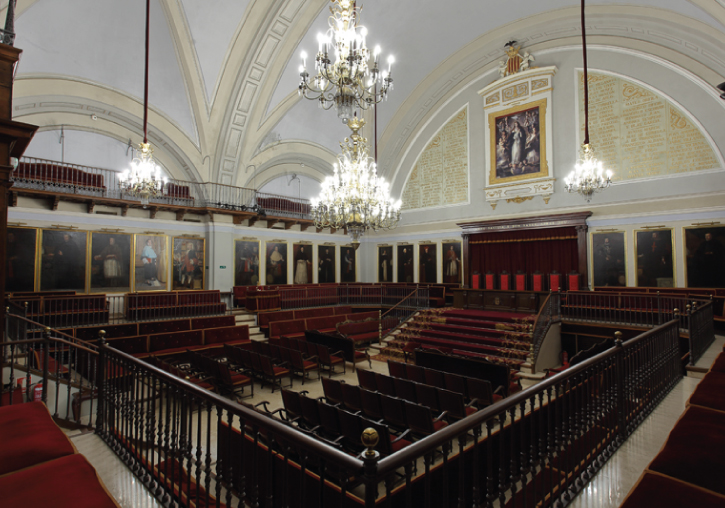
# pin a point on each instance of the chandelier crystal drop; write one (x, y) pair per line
(354, 80)
(144, 179)
(588, 175)
(355, 197)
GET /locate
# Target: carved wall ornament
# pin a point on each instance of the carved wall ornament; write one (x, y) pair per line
(515, 61)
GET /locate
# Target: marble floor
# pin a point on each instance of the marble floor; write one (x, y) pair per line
(608, 488)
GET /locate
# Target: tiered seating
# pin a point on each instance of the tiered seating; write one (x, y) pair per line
(160, 304)
(336, 342)
(40, 467)
(295, 328)
(260, 366)
(500, 337)
(688, 469)
(299, 360)
(65, 310)
(61, 175)
(285, 315)
(151, 327)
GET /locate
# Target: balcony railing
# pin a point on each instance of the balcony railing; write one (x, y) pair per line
(64, 178)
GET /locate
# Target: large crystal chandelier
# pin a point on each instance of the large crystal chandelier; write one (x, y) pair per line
(354, 79)
(144, 178)
(588, 175)
(355, 197)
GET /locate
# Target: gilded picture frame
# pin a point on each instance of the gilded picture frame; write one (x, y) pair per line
(451, 262)
(21, 255)
(704, 257)
(428, 263)
(405, 267)
(608, 258)
(150, 266)
(189, 263)
(326, 263)
(109, 262)
(385, 263)
(302, 269)
(276, 264)
(63, 260)
(655, 259)
(348, 264)
(246, 262)
(517, 144)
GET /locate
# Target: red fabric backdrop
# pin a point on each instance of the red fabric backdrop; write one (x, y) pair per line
(544, 250)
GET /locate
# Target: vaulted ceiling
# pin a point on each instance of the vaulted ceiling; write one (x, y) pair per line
(224, 73)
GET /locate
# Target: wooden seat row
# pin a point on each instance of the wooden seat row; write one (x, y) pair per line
(294, 328)
(266, 318)
(59, 175)
(350, 350)
(159, 304)
(64, 310)
(151, 327)
(39, 466)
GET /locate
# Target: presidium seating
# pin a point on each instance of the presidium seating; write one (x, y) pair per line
(500, 337)
(39, 465)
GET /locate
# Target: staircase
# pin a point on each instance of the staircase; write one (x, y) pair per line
(244, 317)
(500, 337)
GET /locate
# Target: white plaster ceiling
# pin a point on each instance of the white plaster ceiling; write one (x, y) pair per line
(203, 50)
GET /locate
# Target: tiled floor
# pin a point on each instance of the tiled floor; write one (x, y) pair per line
(608, 488)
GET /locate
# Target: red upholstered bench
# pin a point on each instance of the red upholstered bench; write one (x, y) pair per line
(212, 322)
(264, 319)
(68, 481)
(709, 392)
(91, 332)
(360, 331)
(653, 489)
(30, 437)
(176, 342)
(291, 328)
(313, 313)
(343, 309)
(228, 335)
(137, 345)
(323, 324)
(176, 325)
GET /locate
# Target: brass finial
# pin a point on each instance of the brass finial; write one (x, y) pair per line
(370, 440)
(618, 339)
(676, 311)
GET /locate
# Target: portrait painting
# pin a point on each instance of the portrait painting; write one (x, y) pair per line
(518, 143)
(705, 256)
(325, 263)
(451, 262)
(405, 263)
(110, 262)
(609, 258)
(348, 270)
(302, 255)
(150, 262)
(21, 245)
(385, 263)
(246, 262)
(655, 258)
(63, 260)
(428, 263)
(189, 259)
(276, 263)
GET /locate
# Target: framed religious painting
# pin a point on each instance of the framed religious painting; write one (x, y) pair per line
(348, 268)
(451, 264)
(655, 258)
(705, 256)
(427, 263)
(189, 263)
(21, 252)
(150, 262)
(302, 256)
(518, 143)
(326, 263)
(405, 263)
(276, 261)
(63, 260)
(385, 263)
(608, 258)
(246, 262)
(110, 262)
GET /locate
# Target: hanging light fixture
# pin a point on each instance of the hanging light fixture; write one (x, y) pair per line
(354, 80)
(355, 197)
(588, 175)
(144, 178)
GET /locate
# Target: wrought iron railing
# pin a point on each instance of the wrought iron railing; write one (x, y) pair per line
(549, 313)
(701, 330)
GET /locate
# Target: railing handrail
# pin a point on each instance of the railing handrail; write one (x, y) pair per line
(338, 457)
(73, 340)
(452, 431)
(391, 309)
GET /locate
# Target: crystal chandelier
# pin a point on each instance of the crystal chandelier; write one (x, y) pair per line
(588, 175)
(355, 197)
(354, 79)
(144, 178)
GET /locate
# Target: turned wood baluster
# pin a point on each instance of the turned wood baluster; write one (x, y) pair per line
(461, 472)
(476, 493)
(428, 461)
(198, 461)
(513, 469)
(207, 455)
(490, 478)
(502, 459)
(269, 480)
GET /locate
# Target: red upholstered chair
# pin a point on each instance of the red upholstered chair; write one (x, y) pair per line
(537, 281)
(555, 281)
(520, 281)
(573, 281)
(504, 281)
(490, 280)
(476, 281)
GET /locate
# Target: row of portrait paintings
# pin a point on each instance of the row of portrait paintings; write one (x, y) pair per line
(247, 263)
(704, 254)
(428, 264)
(101, 262)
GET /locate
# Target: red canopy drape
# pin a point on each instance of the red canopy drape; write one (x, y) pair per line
(531, 250)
